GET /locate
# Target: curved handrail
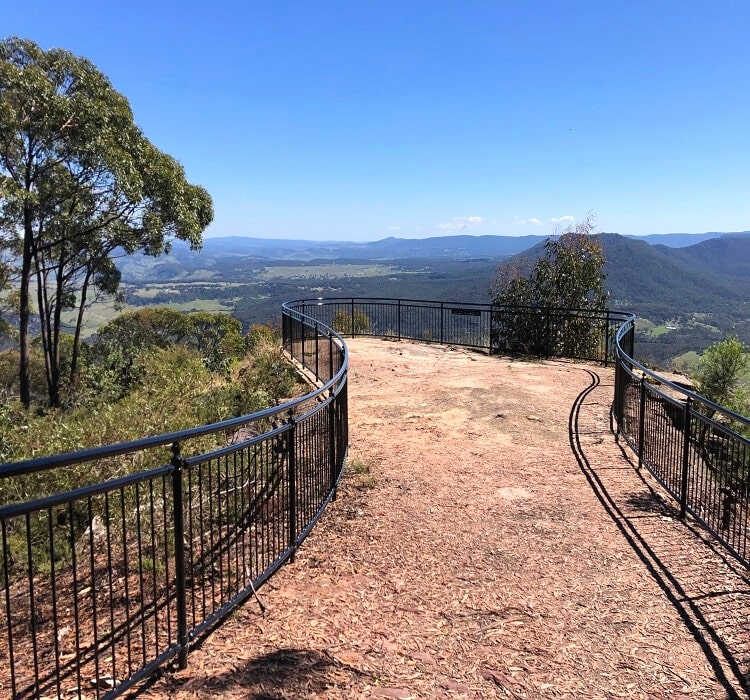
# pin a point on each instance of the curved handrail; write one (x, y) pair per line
(203, 532)
(677, 388)
(38, 464)
(162, 555)
(481, 326)
(693, 446)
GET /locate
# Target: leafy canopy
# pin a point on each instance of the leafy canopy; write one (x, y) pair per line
(544, 312)
(570, 274)
(720, 371)
(79, 184)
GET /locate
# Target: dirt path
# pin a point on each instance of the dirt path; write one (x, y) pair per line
(490, 541)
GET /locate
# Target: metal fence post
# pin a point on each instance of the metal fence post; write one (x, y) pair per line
(441, 322)
(332, 430)
(330, 356)
(686, 420)
(492, 319)
(606, 341)
(317, 351)
(353, 333)
(399, 319)
(642, 421)
(292, 466)
(179, 554)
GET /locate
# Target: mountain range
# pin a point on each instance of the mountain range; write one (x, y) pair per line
(407, 248)
(697, 292)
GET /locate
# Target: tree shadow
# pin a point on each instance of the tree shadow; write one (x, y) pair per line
(711, 603)
(277, 675)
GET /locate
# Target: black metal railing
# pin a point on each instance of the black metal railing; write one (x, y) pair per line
(541, 332)
(104, 584)
(699, 451)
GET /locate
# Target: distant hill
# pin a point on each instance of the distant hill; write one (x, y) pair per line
(680, 240)
(462, 246)
(220, 255)
(689, 296)
(702, 290)
(656, 280)
(385, 249)
(697, 277)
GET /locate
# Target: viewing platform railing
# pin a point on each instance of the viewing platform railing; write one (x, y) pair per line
(697, 450)
(103, 585)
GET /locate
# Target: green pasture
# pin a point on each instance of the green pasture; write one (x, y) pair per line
(333, 271)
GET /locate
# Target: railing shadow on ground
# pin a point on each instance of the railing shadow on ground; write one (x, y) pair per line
(283, 673)
(696, 588)
(107, 584)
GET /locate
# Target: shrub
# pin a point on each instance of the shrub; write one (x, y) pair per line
(347, 322)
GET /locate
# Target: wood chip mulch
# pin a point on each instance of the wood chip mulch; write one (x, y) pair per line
(490, 540)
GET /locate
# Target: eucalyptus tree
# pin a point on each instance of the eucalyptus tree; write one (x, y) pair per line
(568, 275)
(79, 184)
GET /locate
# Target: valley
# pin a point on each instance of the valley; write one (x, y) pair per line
(686, 297)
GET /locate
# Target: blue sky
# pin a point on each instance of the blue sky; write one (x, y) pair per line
(360, 120)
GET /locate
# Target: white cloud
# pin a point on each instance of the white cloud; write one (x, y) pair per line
(460, 223)
(555, 220)
(533, 222)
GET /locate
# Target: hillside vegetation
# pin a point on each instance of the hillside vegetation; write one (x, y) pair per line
(148, 372)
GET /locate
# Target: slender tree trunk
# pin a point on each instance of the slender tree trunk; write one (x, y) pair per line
(24, 373)
(56, 319)
(79, 325)
(42, 301)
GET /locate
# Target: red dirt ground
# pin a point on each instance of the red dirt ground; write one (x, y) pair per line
(490, 540)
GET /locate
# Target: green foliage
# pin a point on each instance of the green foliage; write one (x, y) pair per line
(152, 372)
(720, 372)
(347, 322)
(78, 182)
(570, 275)
(266, 378)
(115, 357)
(9, 360)
(175, 389)
(261, 335)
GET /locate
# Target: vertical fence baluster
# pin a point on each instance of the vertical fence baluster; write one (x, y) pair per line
(642, 421)
(442, 316)
(685, 458)
(606, 341)
(332, 445)
(317, 352)
(179, 554)
(292, 468)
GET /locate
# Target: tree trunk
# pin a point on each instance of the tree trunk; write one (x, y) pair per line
(79, 324)
(41, 303)
(24, 373)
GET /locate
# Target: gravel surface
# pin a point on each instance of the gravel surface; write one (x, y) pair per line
(490, 540)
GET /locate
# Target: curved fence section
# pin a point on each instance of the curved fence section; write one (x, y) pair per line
(699, 451)
(541, 332)
(104, 584)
